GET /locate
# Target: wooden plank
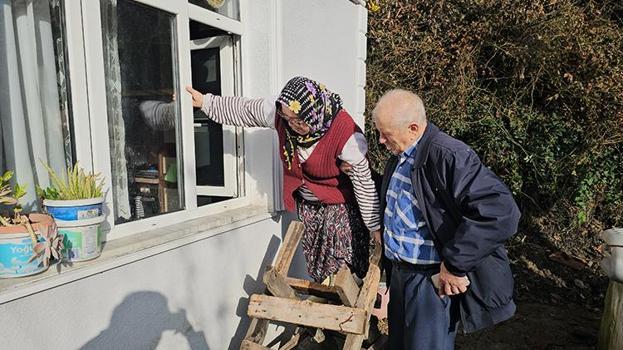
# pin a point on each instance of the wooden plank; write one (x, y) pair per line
(288, 247)
(335, 317)
(346, 287)
(294, 341)
(368, 294)
(313, 288)
(353, 342)
(257, 331)
(249, 345)
(277, 285)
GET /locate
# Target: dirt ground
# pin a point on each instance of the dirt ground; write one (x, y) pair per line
(539, 326)
(559, 297)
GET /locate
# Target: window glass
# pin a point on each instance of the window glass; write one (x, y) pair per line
(229, 8)
(208, 134)
(212, 69)
(34, 95)
(143, 113)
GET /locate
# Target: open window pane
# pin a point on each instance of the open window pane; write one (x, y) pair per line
(229, 8)
(143, 115)
(34, 95)
(212, 64)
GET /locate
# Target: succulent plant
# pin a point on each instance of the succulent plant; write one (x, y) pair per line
(52, 242)
(51, 246)
(77, 185)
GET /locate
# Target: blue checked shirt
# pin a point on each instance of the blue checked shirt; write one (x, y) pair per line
(406, 235)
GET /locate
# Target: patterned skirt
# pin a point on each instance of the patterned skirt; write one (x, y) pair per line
(334, 235)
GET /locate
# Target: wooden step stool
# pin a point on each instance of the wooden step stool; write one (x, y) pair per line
(343, 307)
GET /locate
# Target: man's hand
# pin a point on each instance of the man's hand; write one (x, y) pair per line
(450, 284)
(197, 97)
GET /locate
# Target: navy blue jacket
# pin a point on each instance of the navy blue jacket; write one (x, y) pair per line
(470, 213)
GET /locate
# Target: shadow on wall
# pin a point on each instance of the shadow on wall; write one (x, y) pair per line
(254, 285)
(140, 322)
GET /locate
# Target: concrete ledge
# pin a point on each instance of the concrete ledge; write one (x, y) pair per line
(139, 246)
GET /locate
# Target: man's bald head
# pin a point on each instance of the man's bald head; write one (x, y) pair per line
(401, 108)
(400, 118)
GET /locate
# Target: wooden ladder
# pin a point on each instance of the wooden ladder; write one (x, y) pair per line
(343, 307)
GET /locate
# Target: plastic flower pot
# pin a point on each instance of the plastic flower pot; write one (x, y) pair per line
(82, 239)
(16, 249)
(71, 210)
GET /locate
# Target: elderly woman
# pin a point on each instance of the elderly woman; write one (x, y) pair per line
(316, 135)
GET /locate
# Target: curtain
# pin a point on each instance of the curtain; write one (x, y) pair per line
(116, 126)
(34, 127)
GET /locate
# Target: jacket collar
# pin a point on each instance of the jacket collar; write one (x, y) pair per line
(424, 144)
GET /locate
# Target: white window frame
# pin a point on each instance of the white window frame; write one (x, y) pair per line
(96, 107)
(226, 50)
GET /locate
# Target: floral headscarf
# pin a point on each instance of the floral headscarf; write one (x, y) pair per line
(315, 105)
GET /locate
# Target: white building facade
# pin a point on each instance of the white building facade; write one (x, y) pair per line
(193, 208)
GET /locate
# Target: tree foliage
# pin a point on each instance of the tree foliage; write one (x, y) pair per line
(534, 86)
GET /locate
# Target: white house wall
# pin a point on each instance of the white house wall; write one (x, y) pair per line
(194, 296)
(198, 291)
(325, 40)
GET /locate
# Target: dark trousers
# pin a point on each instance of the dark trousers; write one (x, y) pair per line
(418, 317)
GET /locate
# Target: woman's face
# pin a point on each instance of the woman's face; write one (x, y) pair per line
(293, 120)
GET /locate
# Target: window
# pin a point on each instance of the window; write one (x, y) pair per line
(143, 114)
(228, 8)
(162, 160)
(131, 119)
(34, 93)
(212, 64)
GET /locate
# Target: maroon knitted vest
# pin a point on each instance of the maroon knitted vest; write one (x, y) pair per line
(320, 172)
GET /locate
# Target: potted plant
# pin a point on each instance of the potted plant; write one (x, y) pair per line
(76, 203)
(27, 242)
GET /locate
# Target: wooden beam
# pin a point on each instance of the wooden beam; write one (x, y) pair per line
(353, 342)
(288, 247)
(313, 288)
(368, 294)
(334, 317)
(346, 287)
(277, 285)
(257, 331)
(294, 341)
(249, 345)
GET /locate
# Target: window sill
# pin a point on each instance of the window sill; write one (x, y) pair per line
(139, 246)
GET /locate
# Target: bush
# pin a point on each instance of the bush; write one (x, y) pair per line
(534, 86)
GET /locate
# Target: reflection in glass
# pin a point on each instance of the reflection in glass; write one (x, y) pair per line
(208, 134)
(228, 8)
(143, 115)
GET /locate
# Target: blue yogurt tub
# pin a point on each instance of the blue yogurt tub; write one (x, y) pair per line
(15, 251)
(71, 210)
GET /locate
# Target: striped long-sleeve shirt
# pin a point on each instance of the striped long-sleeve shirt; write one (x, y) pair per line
(260, 112)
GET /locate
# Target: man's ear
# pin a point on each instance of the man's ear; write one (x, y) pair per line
(414, 128)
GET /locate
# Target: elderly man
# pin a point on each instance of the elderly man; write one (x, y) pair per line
(446, 218)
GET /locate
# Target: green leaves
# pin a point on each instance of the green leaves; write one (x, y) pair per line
(77, 185)
(534, 86)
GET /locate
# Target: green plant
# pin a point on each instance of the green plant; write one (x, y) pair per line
(10, 197)
(534, 86)
(51, 244)
(77, 185)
